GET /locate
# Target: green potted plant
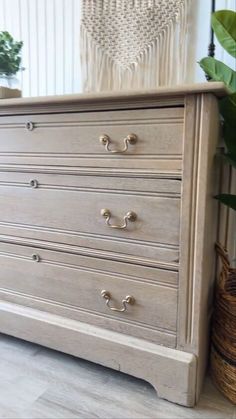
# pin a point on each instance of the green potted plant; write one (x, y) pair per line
(223, 348)
(10, 64)
(224, 26)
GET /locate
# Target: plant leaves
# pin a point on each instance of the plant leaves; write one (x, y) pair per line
(224, 25)
(229, 135)
(228, 110)
(219, 71)
(10, 51)
(228, 200)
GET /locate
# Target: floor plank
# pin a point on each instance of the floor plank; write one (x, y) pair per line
(38, 383)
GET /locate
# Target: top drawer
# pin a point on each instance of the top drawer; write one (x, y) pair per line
(74, 139)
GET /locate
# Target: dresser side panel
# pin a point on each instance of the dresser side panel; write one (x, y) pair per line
(199, 227)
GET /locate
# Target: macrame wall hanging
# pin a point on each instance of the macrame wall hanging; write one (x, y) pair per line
(133, 44)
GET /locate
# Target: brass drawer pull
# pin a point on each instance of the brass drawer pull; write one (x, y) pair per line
(127, 300)
(34, 183)
(36, 258)
(130, 139)
(29, 126)
(130, 216)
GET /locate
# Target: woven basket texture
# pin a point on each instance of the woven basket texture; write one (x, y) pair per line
(223, 351)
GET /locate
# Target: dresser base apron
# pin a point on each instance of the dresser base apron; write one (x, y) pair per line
(162, 367)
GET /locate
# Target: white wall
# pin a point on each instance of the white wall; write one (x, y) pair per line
(50, 31)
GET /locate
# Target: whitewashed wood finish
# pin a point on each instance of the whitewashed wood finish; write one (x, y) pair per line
(78, 210)
(73, 256)
(74, 139)
(114, 243)
(80, 339)
(156, 334)
(197, 234)
(59, 279)
(155, 185)
(152, 254)
(161, 97)
(199, 227)
(163, 257)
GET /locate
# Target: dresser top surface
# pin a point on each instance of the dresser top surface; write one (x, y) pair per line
(109, 100)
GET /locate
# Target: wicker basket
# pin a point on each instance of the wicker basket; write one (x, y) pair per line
(223, 352)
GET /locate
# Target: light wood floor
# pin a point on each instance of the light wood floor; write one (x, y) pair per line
(39, 383)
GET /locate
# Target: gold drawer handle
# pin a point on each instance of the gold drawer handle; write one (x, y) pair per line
(29, 126)
(127, 300)
(34, 183)
(130, 216)
(130, 139)
(36, 258)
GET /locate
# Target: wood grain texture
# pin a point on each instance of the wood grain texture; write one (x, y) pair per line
(74, 139)
(199, 227)
(77, 210)
(108, 321)
(80, 339)
(57, 279)
(165, 259)
(163, 96)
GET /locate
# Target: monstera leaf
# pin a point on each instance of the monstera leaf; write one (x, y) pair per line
(224, 25)
(219, 71)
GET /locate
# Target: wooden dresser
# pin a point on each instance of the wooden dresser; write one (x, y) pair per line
(107, 229)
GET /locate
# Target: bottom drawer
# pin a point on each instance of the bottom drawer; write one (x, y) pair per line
(92, 287)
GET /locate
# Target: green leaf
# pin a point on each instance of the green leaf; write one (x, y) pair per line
(229, 135)
(219, 71)
(228, 109)
(224, 25)
(10, 50)
(228, 200)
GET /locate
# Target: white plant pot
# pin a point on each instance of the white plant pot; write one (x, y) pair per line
(9, 87)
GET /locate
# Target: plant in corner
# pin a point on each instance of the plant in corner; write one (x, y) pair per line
(10, 59)
(224, 26)
(223, 338)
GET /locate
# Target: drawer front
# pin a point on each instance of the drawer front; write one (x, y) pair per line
(66, 279)
(74, 206)
(75, 139)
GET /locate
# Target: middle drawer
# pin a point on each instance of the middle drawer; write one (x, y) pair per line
(138, 217)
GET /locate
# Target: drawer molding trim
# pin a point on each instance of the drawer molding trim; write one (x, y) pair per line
(35, 184)
(73, 170)
(9, 292)
(80, 250)
(158, 336)
(153, 363)
(37, 258)
(90, 235)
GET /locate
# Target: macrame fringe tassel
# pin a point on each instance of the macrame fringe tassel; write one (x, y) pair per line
(162, 63)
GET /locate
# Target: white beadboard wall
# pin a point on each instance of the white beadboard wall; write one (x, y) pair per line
(50, 31)
(51, 34)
